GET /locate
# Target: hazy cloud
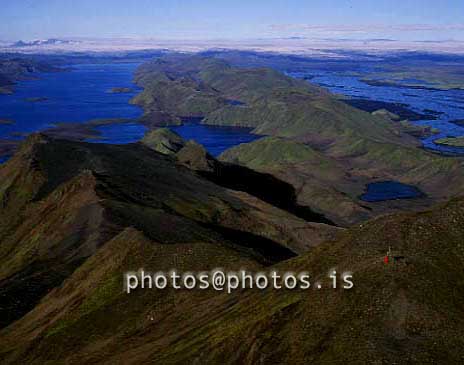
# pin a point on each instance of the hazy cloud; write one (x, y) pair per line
(367, 28)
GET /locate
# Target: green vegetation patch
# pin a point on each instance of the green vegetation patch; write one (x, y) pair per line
(451, 141)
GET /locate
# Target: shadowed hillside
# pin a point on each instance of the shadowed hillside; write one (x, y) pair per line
(62, 200)
(409, 311)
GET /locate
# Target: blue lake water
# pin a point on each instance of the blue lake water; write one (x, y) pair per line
(82, 94)
(76, 96)
(120, 133)
(390, 190)
(448, 103)
(215, 139)
(444, 105)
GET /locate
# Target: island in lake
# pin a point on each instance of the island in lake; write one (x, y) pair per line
(6, 121)
(120, 90)
(451, 141)
(36, 99)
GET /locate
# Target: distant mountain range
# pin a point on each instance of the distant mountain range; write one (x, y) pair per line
(42, 42)
(301, 45)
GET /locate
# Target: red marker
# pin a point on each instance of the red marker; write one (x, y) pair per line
(385, 259)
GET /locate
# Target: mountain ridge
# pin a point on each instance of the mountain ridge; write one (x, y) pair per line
(409, 310)
(76, 196)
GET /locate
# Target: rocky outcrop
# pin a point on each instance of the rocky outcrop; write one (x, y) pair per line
(164, 141)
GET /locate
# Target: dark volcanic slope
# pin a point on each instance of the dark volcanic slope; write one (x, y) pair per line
(410, 311)
(62, 200)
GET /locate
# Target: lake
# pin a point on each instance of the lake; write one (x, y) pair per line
(215, 139)
(390, 190)
(75, 96)
(82, 94)
(444, 105)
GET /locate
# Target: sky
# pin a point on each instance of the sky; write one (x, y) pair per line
(405, 20)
